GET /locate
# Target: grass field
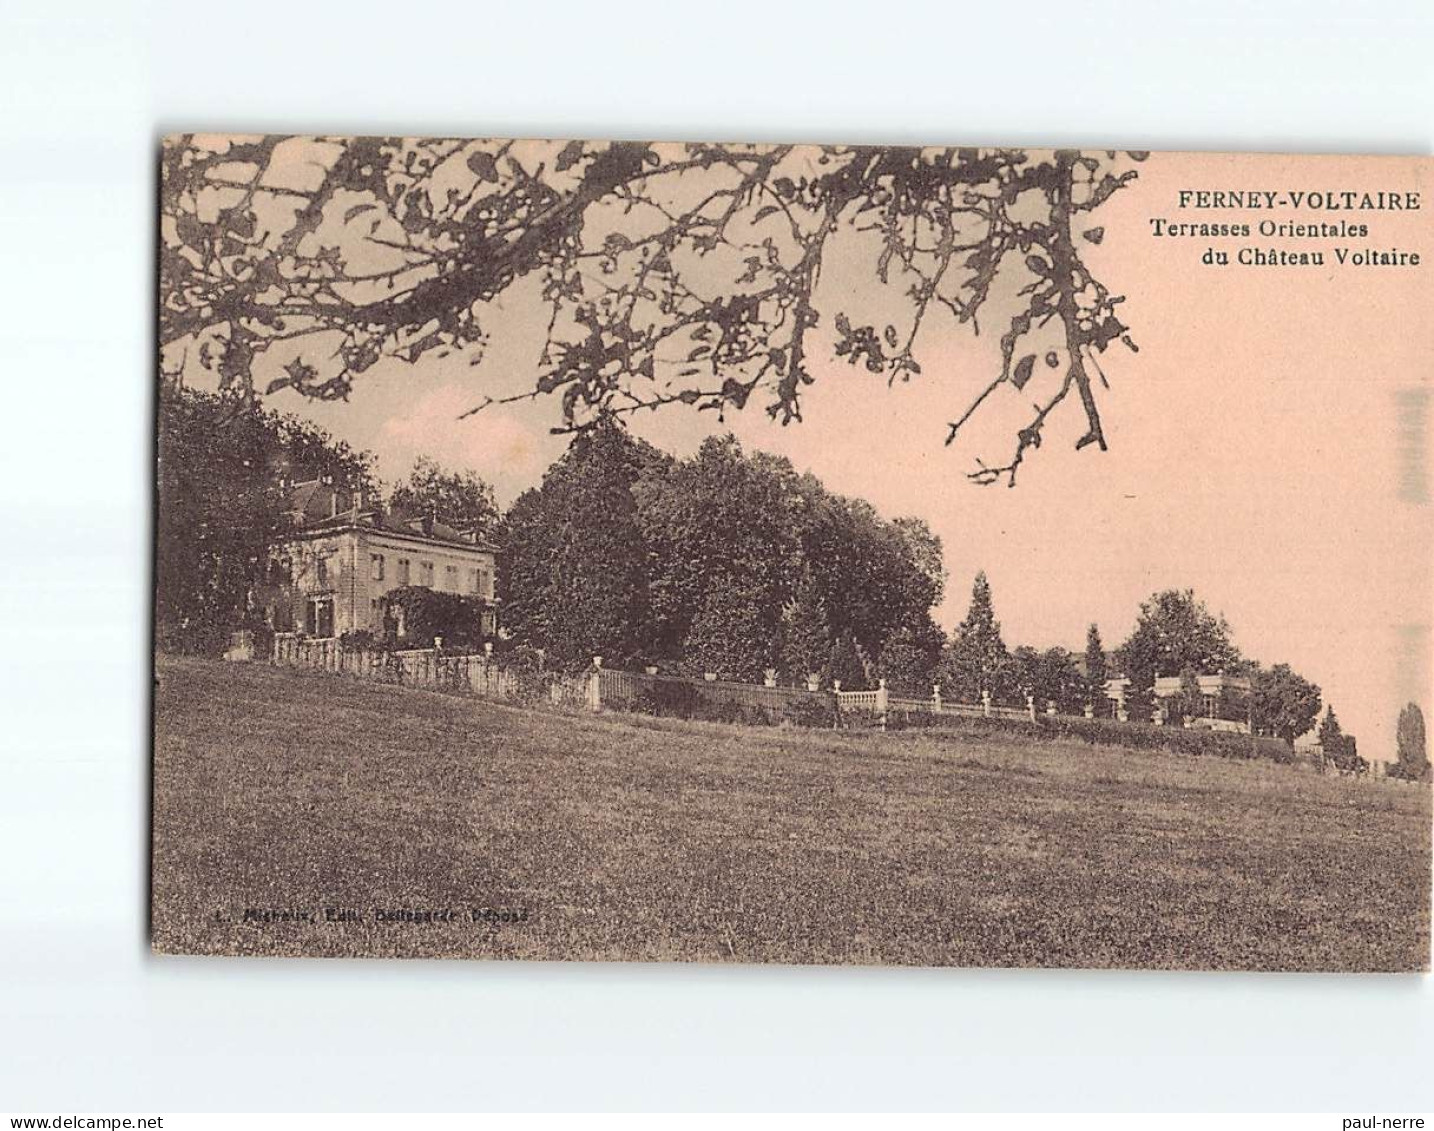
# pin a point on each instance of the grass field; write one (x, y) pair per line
(630, 838)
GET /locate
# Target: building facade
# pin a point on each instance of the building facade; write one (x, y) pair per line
(333, 572)
(1224, 700)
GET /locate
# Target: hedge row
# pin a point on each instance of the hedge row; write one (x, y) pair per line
(676, 700)
(686, 701)
(1195, 742)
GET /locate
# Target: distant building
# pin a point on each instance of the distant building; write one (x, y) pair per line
(1116, 688)
(1220, 696)
(333, 572)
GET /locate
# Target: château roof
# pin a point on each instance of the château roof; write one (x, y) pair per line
(316, 507)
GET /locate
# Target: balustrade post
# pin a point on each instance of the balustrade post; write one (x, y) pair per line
(594, 688)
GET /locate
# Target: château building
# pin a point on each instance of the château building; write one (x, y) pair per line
(332, 572)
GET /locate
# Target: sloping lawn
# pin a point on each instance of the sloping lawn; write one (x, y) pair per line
(282, 792)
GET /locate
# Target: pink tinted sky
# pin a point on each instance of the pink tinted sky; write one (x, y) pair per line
(1257, 442)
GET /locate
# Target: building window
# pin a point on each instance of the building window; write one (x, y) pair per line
(321, 571)
(376, 566)
(425, 574)
(450, 578)
(475, 581)
(319, 617)
(403, 571)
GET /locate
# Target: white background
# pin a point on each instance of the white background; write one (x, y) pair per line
(88, 1021)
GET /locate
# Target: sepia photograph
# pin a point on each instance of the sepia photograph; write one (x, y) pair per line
(751, 553)
(649, 557)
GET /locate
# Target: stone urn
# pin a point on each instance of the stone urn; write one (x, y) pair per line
(710, 677)
(769, 677)
(814, 681)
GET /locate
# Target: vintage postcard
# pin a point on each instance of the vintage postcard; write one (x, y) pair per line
(577, 550)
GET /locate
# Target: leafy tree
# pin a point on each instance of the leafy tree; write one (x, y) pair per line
(753, 519)
(669, 274)
(1330, 734)
(1413, 758)
(848, 666)
(729, 636)
(1095, 668)
(1345, 757)
(1189, 703)
(910, 657)
(1339, 749)
(575, 579)
(220, 464)
(794, 567)
(1173, 632)
(431, 613)
(532, 541)
(1048, 677)
(877, 577)
(923, 550)
(719, 514)
(1283, 703)
(806, 636)
(459, 498)
(977, 660)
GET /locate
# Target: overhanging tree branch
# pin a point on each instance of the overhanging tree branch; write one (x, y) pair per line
(689, 275)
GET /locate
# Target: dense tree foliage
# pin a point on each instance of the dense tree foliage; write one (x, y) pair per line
(721, 519)
(1188, 703)
(729, 637)
(1048, 677)
(1330, 733)
(849, 666)
(977, 660)
(1412, 763)
(430, 615)
(806, 633)
(1174, 632)
(574, 577)
(877, 577)
(1095, 668)
(663, 274)
(1339, 749)
(1282, 702)
(725, 562)
(221, 460)
(459, 498)
(910, 659)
